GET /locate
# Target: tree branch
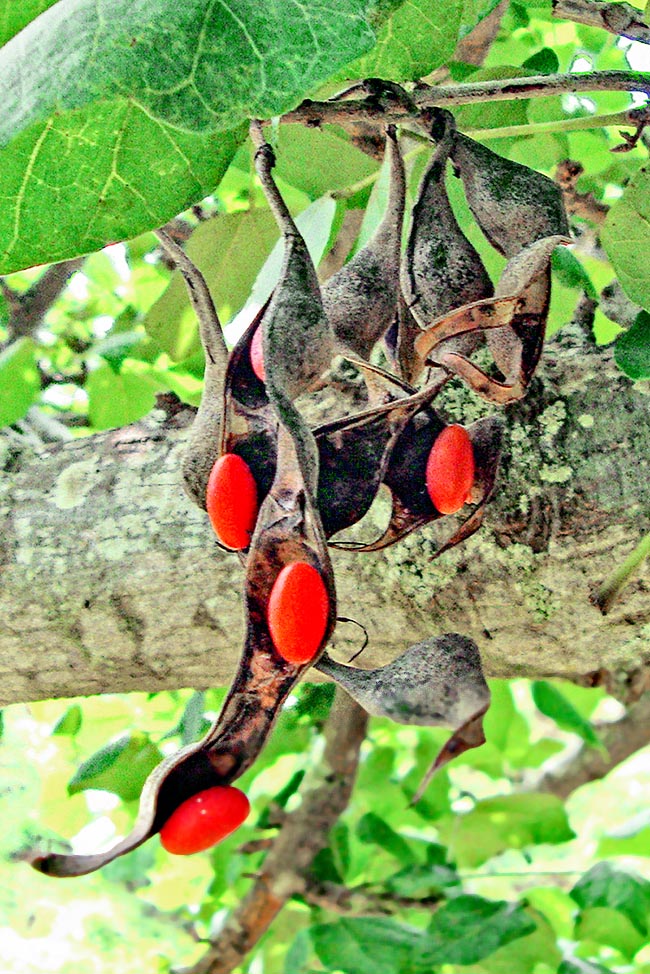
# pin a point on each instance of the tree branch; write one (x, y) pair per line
(621, 740)
(362, 901)
(397, 110)
(325, 795)
(110, 578)
(28, 310)
(617, 18)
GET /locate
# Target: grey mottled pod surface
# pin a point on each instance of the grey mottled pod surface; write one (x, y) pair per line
(436, 682)
(441, 269)
(513, 205)
(360, 300)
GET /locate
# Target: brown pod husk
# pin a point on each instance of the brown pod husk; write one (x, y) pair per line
(405, 477)
(515, 322)
(360, 300)
(441, 269)
(513, 205)
(288, 529)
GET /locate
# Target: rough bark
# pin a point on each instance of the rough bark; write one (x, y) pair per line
(111, 580)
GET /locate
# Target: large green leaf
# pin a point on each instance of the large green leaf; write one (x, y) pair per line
(552, 702)
(632, 348)
(373, 829)
(114, 120)
(16, 15)
(626, 236)
(508, 822)
(605, 885)
(366, 946)
(419, 37)
(469, 928)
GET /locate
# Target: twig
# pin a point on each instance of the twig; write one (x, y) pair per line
(316, 113)
(607, 593)
(621, 740)
(325, 795)
(618, 18)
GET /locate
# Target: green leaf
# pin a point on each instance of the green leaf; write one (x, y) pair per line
(626, 234)
(607, 926)
(608, 886)
(542, 62)
(575, 965)
(19, 380)
(320, 161)
(120, 766)
(469, 928)
(508, 822)
(69, 723)
(552, 702)
(632, 348)
(630, 839)
(419, 37)
(373, 829)
(14, 16)
(120, 122)
(420, 882)
(570, 272)
(366, 946)
(118, 399)
(217, 247)
(535, 953)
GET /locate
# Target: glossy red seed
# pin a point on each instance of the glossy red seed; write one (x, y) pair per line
(297, 612)
(257, 355)
(204, 819)
(450, 470)
(231, 501)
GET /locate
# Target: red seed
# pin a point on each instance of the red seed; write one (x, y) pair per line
(204, 819)
(231, 500)
(257, 355)
(450, 470)
(298, 611)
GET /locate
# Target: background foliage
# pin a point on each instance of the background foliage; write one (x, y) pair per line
(112, 126)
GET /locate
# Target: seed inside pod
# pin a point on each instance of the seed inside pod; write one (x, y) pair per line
(204, 819)
(257, 355)
(450, 470)
(297, 612)
(231, 501)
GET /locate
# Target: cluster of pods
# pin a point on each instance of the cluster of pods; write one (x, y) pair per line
(277, 491)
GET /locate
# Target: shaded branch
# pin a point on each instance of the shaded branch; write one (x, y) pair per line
(621, 739)
(325, 795)
(28, 310)
(363, 901)
(617, 18)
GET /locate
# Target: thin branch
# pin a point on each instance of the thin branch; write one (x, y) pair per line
(363, 901)
(314, 113)
(607, 593)
(28, 310)
(621, 740)
(617, 18)
(325, 794)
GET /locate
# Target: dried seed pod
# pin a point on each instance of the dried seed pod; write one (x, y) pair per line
(202, 448)
(360, 300)
(513, 205)
(514, 320)
(438, 682)
(441, 269)
(405, 477)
